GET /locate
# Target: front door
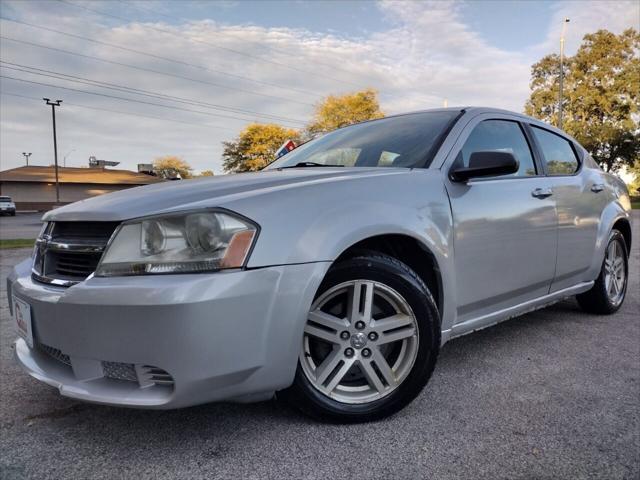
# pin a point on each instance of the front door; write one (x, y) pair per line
(505, 227)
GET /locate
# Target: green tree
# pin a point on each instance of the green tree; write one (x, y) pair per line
(339, 111)
(255, 147)
(170, 166)
(601, 92)
(634, 186)
(206, 173)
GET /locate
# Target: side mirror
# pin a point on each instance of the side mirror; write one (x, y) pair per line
(485, 164)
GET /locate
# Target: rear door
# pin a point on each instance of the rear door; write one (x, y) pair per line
(504, 227)
(579, 199)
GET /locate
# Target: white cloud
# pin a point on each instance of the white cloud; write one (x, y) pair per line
(428, 54)
(587, 17)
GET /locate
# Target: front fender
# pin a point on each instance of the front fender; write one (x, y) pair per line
(319, 222)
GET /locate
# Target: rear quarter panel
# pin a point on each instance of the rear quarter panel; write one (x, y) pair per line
(617, 206)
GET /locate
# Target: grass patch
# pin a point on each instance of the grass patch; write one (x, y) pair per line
(635, 204)
(17, 243)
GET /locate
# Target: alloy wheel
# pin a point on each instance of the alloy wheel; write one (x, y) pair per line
(615, 274)
(360, 342)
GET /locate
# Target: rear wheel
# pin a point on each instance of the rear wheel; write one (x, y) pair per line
(608, 292)
(370, 342)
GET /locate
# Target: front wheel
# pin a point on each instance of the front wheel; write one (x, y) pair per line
(608, 292)
(370, 342)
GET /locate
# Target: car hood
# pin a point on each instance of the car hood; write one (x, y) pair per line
(204, 192)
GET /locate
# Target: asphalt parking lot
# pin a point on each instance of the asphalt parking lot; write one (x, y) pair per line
(23, 225)
(553, 394)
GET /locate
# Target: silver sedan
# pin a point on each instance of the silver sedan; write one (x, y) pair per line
(332, 278)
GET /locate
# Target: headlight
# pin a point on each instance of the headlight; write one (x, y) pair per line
(201, 241)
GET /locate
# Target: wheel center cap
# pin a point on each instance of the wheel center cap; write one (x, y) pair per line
(359, 340)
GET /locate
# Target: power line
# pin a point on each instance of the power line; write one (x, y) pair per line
(207, 125)
(238, 52)
(180, 62)
(150, 70)
(277, 50)
(269, 47)
(123, 98)
(175, 61)
(160, 57)
(137, 91)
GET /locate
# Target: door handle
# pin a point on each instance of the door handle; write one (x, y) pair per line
(597, 187)
(542, 192)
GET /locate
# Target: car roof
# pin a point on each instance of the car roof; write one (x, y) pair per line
(474, 111)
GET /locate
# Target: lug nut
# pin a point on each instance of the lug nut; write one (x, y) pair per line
(360, 325)
(373, 336)
(344, 335)
(348, 352)
(366, 353)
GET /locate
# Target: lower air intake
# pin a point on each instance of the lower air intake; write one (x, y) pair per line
(55, 353)
(120, 371)
(148, 375)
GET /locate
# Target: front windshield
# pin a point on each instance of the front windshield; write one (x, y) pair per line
(404, 141)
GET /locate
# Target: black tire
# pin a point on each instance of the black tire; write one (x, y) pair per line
(596, 300)
(395, 274)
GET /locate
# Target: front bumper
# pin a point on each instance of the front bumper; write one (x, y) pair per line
(224, 336)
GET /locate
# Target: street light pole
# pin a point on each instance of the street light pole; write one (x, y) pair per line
(26, 157)
(55, 104)
(564, 30)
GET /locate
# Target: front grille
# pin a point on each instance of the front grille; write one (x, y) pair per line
(68, 252)
(73, 264)
(92, 231)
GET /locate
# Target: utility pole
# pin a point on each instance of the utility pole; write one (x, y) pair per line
(55, 104)
(564, 30)
(26, 157)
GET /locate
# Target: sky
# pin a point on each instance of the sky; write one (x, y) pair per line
(143, 79)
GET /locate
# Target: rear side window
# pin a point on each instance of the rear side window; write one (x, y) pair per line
(559, 156)
(500, 136)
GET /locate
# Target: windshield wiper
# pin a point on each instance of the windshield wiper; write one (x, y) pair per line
(310, 164)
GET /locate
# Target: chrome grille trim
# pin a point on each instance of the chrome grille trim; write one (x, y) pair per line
(72, 247)
(67, 253)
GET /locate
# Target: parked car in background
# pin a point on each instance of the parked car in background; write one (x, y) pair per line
(7, 206)
(332, 278)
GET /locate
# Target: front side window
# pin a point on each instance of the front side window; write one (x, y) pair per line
(404, 141)
(559, 157)
(499, 136)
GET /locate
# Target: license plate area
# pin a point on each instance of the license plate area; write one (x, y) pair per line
(22, 320)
